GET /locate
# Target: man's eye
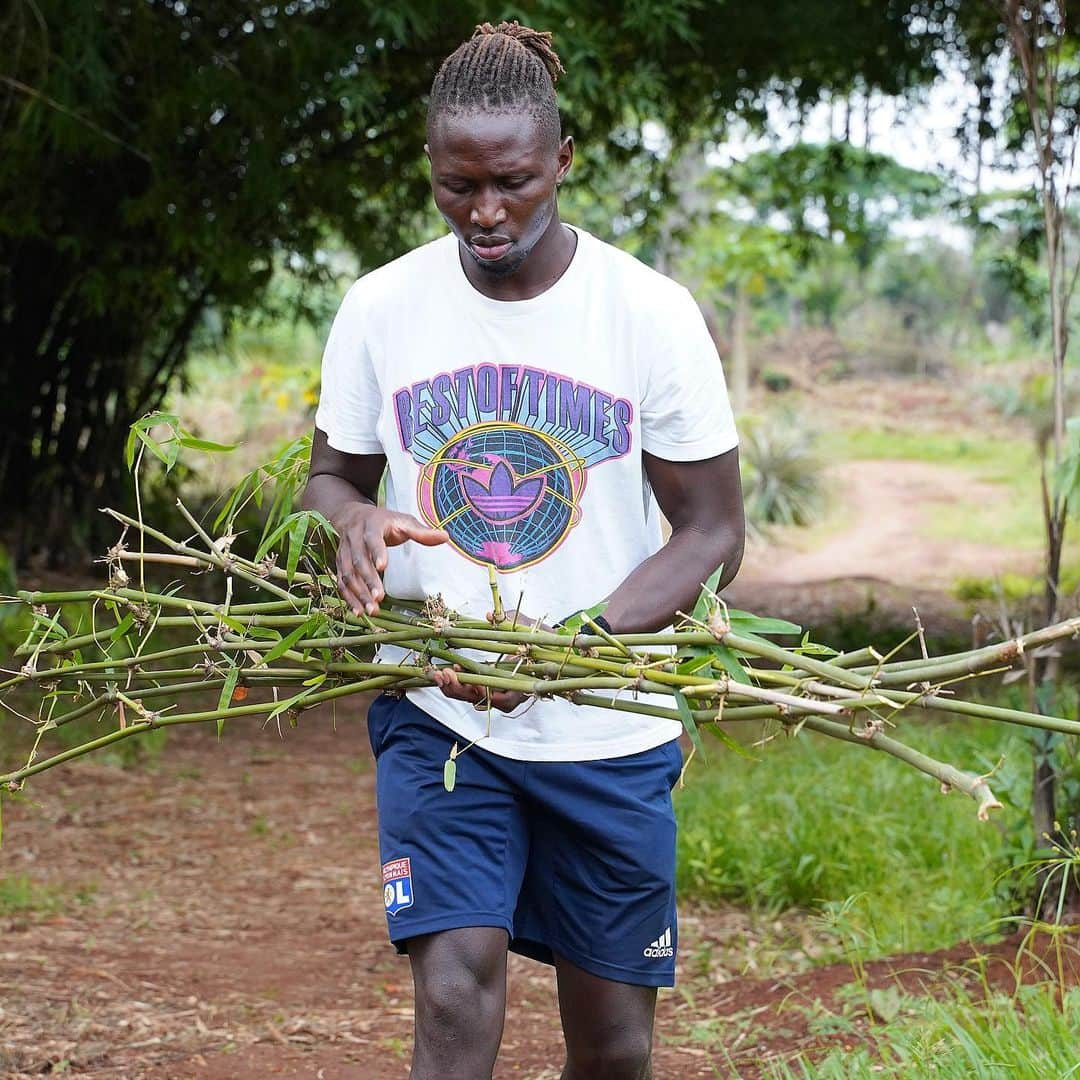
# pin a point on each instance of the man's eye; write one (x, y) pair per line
(457, 189)
(514, 182)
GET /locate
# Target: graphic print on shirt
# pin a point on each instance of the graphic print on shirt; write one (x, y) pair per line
(503, 452)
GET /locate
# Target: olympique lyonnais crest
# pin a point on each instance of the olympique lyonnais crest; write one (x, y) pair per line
(504, 453)
(397, 885)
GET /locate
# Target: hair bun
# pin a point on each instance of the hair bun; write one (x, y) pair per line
(536, 41)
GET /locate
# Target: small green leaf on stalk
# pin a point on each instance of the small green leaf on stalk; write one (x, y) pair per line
(449, 773)
(728, 661)
(575, 622)
(731, 743)
(297, 533)
(690, 724)
(315, 680)
(812, 648)
(697, 657)
(287, 642)
(122, 627)
(742, 621)
(706, 600)
(226, 695)
(189, 442)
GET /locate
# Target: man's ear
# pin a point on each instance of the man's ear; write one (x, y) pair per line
(427, 152)
(565, 158)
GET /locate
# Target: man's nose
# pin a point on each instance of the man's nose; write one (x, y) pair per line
(487, 212)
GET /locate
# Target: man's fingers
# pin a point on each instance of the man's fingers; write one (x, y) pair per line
(359, 584)
(402, 527)
(365, 565)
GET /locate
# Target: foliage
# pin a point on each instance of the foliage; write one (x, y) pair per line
(781, 470)
(810, 827)
(835, 191)
(1029, 1036)
(179, 153)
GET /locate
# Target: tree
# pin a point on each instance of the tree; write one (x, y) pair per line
(1047, 70)
(157, 157)
(834, 194)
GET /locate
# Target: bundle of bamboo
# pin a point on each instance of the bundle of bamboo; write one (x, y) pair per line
(302, 644)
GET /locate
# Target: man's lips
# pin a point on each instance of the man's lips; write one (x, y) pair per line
(490, 248)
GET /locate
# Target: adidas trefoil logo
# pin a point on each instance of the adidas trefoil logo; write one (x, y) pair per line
(659, 948)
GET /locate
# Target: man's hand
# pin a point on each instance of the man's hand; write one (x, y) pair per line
(479, 697)
(365, 533)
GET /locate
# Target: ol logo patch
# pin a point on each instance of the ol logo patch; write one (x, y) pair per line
(397, 885)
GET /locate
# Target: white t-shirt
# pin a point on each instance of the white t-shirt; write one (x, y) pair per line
(518, 427)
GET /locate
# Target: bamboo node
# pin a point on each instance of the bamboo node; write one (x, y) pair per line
(435, 607)
(265, 568)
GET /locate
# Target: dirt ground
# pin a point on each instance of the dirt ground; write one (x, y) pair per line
(218, 916)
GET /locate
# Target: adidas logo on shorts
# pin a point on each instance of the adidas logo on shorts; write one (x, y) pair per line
(659, 948)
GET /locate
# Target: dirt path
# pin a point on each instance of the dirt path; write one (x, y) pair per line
(219, 918)
(887, 507)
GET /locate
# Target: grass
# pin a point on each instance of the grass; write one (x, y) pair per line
(868, 843)
(1032, 1037)
(995, 459)
(21, 895)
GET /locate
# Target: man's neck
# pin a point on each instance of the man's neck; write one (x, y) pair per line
(545, 264)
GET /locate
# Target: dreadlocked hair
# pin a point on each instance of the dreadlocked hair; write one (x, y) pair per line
(503, 68)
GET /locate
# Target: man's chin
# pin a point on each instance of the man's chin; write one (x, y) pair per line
(509, 264)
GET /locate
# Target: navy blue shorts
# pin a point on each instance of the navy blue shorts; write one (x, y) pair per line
(573, 858)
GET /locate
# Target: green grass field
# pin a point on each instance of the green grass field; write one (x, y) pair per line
(870, 844)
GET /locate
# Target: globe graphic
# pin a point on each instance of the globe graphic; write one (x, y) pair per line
(506, 494)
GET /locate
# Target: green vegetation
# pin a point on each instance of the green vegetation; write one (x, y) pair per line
(21, 895)
(1031, 1037)
(995, 459)
(813, 825)
(781, 471)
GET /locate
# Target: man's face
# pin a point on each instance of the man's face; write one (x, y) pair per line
(494, 178)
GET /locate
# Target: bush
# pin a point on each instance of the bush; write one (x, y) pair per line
(781, 472)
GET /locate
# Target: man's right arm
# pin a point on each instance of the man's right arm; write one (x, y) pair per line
(344, 488)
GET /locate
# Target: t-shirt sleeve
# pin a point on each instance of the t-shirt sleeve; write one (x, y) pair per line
(685, 411)
(349, 398)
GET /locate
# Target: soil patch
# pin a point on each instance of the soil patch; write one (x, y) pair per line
(218, 917)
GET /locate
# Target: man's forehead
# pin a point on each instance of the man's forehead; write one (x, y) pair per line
(497, 139)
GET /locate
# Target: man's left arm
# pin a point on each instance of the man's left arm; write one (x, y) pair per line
(702, 501)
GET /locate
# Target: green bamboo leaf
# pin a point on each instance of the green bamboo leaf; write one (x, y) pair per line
(153, 446)
(575, 622)
(757, 624)
(732, 744)
(705, 602)
(129, 449)
(269, 539)
(189, 442)
(122, 627)
(172, 453)
(226, 695)
(689, 723)
(287, 642)
(698, 657)
(297, 534)
(726, 658)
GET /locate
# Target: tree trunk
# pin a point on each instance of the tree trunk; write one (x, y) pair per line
(740, 348)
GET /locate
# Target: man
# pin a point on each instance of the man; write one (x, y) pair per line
(529, 390)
